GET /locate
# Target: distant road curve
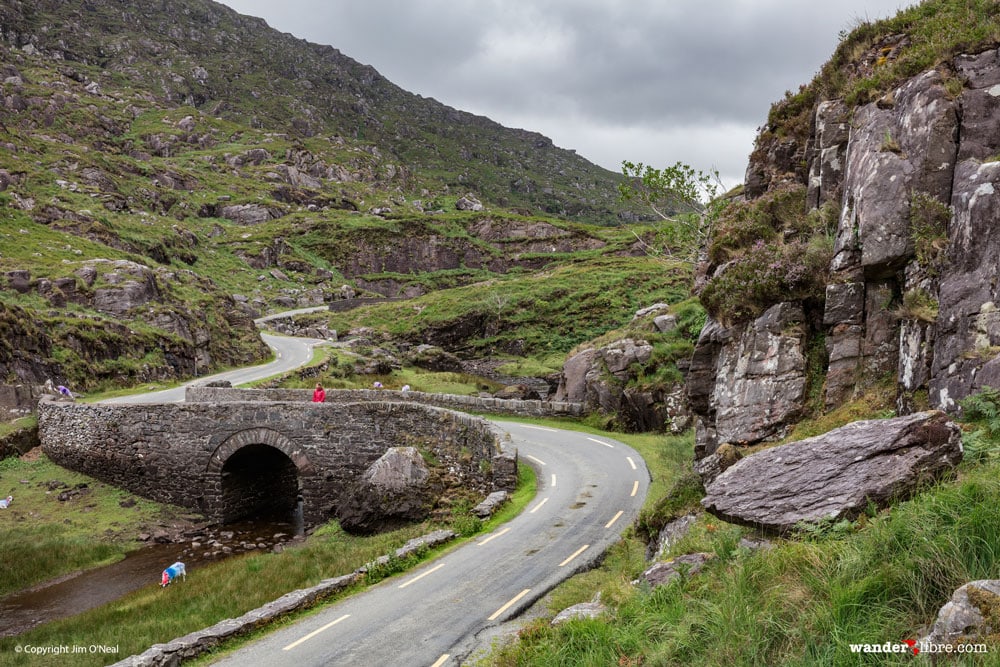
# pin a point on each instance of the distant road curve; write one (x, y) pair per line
(289, 354)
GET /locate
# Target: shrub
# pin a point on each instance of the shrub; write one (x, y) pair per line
(919, 304)
(929, 230)
(767, 274)
(777, 214)
(982, 411)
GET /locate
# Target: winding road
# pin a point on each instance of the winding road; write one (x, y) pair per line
(589, 490)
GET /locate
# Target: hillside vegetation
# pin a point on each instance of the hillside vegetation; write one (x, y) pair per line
(168, 174)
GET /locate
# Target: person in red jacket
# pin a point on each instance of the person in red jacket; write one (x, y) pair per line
(318, 394)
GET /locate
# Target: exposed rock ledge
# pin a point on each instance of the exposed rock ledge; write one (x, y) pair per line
(835, 475)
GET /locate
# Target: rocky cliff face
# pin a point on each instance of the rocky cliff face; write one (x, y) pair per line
(914, 277)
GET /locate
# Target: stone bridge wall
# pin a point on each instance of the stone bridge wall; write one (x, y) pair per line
(176, 452)
(487, 405)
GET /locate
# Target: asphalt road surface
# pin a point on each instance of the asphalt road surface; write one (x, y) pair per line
(589, 490)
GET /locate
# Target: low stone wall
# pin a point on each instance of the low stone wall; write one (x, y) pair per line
(487, 405)
(177, 452)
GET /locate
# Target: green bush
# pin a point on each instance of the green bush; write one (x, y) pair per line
(766, 274)
(779, 214)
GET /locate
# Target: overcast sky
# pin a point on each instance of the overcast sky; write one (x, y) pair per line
(654, 81)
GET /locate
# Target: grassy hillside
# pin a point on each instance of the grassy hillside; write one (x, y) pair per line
(203, 54)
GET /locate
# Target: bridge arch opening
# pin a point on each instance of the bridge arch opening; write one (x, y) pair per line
(258, 471)
(258, 479)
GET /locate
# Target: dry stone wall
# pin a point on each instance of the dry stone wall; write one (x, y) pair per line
(487, 404)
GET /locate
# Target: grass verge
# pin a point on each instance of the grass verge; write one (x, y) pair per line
(230, 588)
(802, 601)
(43, 537)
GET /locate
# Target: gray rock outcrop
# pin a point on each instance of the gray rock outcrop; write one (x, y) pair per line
(129, 285)
(835, 475)
(914, 177)
(747, 383)
(600, 378)
(249, 214)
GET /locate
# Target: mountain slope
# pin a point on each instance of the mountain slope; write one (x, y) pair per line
(143, 223)
(202, 54)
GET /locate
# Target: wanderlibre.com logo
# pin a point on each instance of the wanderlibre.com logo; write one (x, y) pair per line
(914, 647)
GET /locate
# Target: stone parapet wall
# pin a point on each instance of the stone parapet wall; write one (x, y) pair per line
(488, 405)
(176, 453)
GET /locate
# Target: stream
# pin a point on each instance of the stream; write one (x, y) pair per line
(75, 593)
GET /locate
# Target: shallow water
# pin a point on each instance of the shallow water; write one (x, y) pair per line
(76, 593)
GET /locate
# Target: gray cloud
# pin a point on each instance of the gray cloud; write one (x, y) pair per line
(643, 80)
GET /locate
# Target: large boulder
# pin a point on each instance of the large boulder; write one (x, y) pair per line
(601, 378)
(835, 475)
(394, 490)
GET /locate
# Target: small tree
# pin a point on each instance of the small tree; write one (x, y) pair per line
(684, 198)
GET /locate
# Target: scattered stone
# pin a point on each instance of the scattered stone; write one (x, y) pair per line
(662, 573)
(756, 543)
(128, 502)
(591, 609)
(469, 203)
(649, 310)
(972, 615)
(665, 323)
(672, 533)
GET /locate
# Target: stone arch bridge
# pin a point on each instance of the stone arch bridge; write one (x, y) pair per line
(230, 453)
